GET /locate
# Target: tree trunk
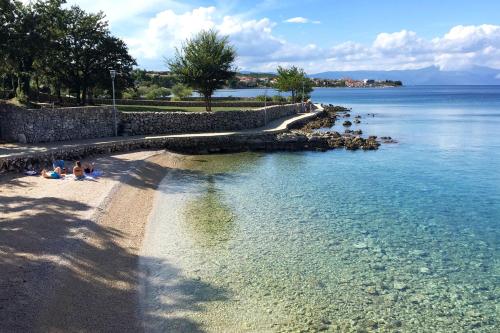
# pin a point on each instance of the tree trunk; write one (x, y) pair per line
(84, 95)
(58, 92)
(90, 96)
(26, 86)
(208, 102)
(13, 83)
(77, 90)
(37, 83)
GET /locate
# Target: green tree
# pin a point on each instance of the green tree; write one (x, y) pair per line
(294, 80)
(181, 91)
(26, 41)
(155, 92)
(205, 63)
(88, 52)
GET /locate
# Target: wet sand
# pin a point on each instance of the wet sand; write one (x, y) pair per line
(69, 250)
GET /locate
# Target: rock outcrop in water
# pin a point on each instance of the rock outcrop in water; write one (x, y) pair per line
(326, 140)
(307, 136)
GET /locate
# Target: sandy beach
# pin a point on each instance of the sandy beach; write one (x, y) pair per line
(69, 249)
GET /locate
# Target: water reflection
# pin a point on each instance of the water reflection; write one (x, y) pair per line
(207, 217)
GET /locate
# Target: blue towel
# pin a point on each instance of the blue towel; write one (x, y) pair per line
(58, 163)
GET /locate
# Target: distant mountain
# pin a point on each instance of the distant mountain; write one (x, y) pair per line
(425, 76)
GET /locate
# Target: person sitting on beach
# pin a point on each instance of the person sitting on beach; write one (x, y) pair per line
(88, 168)
(78, 171)
(55, 174)
(59, 164)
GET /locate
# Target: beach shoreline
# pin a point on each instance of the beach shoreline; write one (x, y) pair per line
(69, 250)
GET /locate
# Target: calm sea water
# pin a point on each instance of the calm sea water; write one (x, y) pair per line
(405, 238)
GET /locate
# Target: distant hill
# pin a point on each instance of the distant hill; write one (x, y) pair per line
(425, 76)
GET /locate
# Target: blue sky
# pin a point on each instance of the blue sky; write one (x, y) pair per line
(318, 35)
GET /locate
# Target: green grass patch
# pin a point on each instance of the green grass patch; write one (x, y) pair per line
(159, 108)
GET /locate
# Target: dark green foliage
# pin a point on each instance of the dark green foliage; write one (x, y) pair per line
(45, 45)
(181, 91)
(294, 80)
(205, 63)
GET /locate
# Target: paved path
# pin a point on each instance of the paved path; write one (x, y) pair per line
(15, 150)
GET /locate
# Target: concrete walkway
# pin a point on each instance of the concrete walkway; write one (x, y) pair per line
(16, 151)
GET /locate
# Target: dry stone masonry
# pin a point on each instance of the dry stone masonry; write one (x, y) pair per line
(60, 124)
(156, 123)
(63, 124)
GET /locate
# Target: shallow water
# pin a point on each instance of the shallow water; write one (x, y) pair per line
(405, 238)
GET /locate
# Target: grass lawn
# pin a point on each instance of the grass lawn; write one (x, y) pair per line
(156, 108)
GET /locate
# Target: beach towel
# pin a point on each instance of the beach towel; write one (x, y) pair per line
(58, 163)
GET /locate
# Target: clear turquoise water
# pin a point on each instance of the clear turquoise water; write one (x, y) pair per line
(405, 238)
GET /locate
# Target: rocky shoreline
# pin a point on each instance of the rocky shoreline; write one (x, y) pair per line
(300, 136)
(307, 136)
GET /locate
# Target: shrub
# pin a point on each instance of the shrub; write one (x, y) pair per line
(159, 92)
(278, 99)
(263, 98)
(181, 91)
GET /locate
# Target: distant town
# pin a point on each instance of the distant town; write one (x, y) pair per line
(262, 80)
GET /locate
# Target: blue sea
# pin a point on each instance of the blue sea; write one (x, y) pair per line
(403, 239)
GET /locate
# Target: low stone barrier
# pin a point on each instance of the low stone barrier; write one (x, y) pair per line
(156, 123)
(58, 124)
(63, 124)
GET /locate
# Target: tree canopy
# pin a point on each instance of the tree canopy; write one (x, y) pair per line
(294, 80)
(205, 63)
(43, 43)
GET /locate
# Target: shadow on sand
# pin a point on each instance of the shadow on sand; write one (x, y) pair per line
(59, 272)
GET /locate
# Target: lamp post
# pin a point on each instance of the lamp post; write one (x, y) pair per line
(112, 72)
(265, 106)
(303, 106)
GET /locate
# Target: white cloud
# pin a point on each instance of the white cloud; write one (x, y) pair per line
(253, 39)
(461, 47)
(153, 28)
(301, 20)
(260, 49)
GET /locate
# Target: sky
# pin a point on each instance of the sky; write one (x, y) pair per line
(317, 35)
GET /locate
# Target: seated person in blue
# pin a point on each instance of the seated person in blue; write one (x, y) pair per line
(55, 174)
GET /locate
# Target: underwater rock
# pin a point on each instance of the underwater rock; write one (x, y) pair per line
(424, 270)
(372, 290)
(357, 121)
(360, 246)
(346, 123)
(400, 286)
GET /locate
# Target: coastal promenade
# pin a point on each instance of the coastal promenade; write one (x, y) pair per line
(18, 157)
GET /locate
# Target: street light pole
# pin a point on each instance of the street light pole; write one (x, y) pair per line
(113, 75)
(303, 109)
(265, 106)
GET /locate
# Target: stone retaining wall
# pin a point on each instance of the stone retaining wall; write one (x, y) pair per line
(63, 124)
(156, 123)
(60, 124)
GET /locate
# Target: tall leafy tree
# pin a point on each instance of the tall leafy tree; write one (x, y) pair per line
(8, 11)
(26, 42)
(205, 63)
(88, 51)
(41, 42)
(294, 80)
